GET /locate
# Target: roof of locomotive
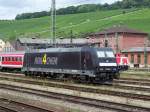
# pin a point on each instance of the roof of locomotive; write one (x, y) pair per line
(78, 49)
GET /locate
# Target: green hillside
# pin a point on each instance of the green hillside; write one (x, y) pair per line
(79, 23)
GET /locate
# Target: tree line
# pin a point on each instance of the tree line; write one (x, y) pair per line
(124, 4)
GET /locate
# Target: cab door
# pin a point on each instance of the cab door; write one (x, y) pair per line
(0, 61)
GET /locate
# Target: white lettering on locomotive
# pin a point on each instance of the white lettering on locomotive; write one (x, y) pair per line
(52, 61)
(46, 60)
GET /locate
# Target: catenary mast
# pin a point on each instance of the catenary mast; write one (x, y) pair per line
(53, 20)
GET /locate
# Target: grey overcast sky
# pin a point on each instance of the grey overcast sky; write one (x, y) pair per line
(10, 8)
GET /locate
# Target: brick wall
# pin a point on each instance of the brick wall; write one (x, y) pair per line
(136, 58)
(125, 40)
(133, 40)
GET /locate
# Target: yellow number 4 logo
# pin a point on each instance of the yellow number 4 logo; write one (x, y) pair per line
(44, 59)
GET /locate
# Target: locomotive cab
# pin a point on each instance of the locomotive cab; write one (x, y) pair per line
(106, 66)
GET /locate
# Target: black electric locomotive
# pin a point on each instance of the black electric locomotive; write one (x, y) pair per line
(85, 63)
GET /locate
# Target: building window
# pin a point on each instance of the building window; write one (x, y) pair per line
(126, 55)
(139, 59)
(10, 58)
(6, 59)
(132, 58)
(20, 58)
(106, 43)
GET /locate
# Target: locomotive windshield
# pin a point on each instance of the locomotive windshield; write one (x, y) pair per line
(103, 54)
(110, 54)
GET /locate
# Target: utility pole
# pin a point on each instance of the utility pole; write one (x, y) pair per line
(105, 40)
(71, 37)
(145, 54)
(53, 18)
(117, 44)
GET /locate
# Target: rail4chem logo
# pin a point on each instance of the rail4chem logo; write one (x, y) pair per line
(44, 60)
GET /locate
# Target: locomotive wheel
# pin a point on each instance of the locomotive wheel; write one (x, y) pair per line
(117, 75)
(26, 73)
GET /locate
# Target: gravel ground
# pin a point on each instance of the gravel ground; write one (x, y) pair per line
(108, 87)
(84, 94)
(59, 105)
(135, 74)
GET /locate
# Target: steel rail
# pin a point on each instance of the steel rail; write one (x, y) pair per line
(79, 100)
(84, 89)
(20, 104)
(6, 109)
(132, 82)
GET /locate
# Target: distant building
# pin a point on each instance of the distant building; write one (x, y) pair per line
(137, 56)
(8, 47)
(119, 38)
(2, 45)
(24, 43)
(30, 43)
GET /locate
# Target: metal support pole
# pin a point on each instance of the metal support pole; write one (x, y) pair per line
(105, 40)
(71, 37)
(145, 54)
(53, 18)
(117, 43)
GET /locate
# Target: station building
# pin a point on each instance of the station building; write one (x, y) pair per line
(139, 56)
(129, 42)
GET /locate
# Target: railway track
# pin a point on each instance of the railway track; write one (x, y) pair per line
(5, 109)
(133, 82)
(137, 79)
(78, 100)
(144, 82)
(7, 105)
(131, 87)
(111, 90)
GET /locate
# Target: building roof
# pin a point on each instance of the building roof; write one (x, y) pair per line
(50, 41)
(136, 49)
(120, 29)
(34, 41)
